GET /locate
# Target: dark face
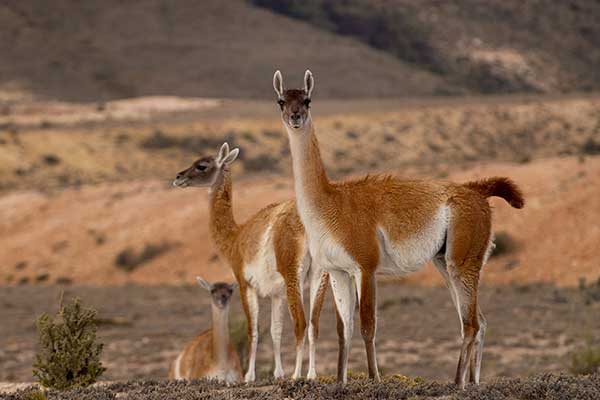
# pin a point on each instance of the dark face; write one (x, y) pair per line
(221, 294)
(202, 173)
(294, 104)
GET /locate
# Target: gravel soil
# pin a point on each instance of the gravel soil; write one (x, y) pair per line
(547, 387)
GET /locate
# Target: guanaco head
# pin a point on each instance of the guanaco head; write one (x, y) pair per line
(205, 171)
(294, 103)
(220, 292)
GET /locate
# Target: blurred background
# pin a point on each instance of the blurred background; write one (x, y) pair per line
(102, 103)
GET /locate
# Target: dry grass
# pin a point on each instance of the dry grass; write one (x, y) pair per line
(541, 387)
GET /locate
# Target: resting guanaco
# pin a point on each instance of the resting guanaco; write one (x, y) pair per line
(211, 354)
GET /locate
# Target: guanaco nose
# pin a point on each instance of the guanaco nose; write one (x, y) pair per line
(295, 117)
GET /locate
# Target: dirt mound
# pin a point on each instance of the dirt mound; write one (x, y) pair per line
(546, 387)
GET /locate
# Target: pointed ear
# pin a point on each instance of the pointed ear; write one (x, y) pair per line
(278, 83)
(203, 283)
(309, 83)
(231, 156)
(223, 152)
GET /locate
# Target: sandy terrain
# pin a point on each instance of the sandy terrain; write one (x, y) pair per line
(77, 235)
(531, 329)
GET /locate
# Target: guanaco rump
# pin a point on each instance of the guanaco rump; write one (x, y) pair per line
(268, 256)
(382, 224)
(211, 355)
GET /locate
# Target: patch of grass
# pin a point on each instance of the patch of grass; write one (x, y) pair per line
(35, 394)
(51, 159)
(192, 143)
(262, 162)
(505, 244)
(585, 360)
(238, 334)
(69, 354)
(128, 260)
(590, 147)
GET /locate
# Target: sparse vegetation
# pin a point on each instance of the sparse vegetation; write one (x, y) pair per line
(69, 354)
(34, 394)
(262, 162)
(586, 360)
(540, 387)
(128, 260)
(590, 147)
(505, 244)
(193, 143)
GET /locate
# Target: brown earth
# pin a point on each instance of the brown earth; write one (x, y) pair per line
(532, 329)
(106, 213)
(77, 234)
(98, 51)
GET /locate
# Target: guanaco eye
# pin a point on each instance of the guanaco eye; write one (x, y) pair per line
(281, 103)
(307, 102)
(201, 167)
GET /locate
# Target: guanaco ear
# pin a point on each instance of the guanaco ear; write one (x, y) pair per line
(204, 283)
(278, 83)
(229, 158)
(223, 153)
(309, 83)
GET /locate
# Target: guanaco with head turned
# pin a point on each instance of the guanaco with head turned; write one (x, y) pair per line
(268, 256)
(211, 355)
(381, 224)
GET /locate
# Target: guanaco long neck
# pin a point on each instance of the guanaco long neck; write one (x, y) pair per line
(220, 334)
(310, 178)
(223, 227)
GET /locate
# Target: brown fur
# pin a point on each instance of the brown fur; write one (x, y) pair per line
(211, 354)
(198, 360)
(352, 211)
(239, 244)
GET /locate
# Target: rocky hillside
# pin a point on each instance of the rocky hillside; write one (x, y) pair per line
(92, 51)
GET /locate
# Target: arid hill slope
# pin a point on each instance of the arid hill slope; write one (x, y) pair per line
(92, 235)
(94, 51)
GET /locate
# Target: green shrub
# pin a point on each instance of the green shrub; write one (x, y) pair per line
(35, 394)
(586, 360)
(69, 355)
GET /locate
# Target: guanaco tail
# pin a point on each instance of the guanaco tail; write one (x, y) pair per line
(381, 224)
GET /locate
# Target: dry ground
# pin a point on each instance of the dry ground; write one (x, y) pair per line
(86, 196)
(542, 387)
(532, 329)
(151, 233)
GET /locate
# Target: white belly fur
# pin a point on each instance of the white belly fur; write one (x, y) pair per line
(411, 254)
(261, 273)
(395, 258)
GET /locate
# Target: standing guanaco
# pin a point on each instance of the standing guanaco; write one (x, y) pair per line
(382, 224)
(268, 256)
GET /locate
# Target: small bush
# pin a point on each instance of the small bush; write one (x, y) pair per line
(586, 360)
(505, 244)
(69, 355)
(35, 394)
(129, 260)
(590, 147)
(262, 162)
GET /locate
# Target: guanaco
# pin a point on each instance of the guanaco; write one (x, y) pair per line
(211, 354)
(382, 224)
(268, 256)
